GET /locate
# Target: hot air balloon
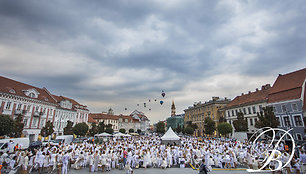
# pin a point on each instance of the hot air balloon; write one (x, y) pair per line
(155, 99)
(144, 105)
(137, 104)
(150, 109)
(161, 102)
(149, 100)
(125, 108)
(163, 93)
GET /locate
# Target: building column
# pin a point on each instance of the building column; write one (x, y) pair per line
(31, 119)
(2, 107)
(38, 126)
(13, 111)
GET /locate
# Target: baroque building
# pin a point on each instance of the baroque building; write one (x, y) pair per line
(197, 113)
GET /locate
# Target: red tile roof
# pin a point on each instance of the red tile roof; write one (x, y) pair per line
(7, 84)
(98, 116)
(304, 104)
(251, 97)
(287, 86)
(91, 120)
(75, 104)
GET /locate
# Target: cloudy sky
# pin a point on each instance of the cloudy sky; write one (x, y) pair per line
(122, 53)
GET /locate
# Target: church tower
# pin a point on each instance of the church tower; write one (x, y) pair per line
(172, 109)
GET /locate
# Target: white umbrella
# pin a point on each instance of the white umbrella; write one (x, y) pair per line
(120, 135)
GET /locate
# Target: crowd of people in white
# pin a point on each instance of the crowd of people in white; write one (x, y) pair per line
(143, 152)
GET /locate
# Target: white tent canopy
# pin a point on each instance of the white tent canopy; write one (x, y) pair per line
(170, 135)
(104, 134)
(120, 135)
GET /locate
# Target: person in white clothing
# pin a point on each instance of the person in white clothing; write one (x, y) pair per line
(65, 162)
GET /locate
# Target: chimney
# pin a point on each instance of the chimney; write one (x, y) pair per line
(256, 89)
(242, 94)
(279, 74)
(249, 92)
(268, 86)
(262, 87)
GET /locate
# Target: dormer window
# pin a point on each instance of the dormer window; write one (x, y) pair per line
(32, 95)
(12, 91)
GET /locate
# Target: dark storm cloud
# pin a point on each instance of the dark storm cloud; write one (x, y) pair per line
(110, 50)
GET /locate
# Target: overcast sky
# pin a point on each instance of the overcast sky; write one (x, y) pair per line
(122, 53)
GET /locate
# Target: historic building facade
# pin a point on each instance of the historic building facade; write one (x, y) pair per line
(249, 104)
(197, 113)
(288, 98)
(35, 105)
(175, 120)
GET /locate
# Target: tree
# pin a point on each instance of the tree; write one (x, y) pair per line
(160, 127)
(80, 129)
(225, 128)
(109, 130)
(131, 130)
(221, 119)
(101, 127)
(194, 126)
(93, 130)
(209, 125)
(178, 128)
(17, 127)
(189, 130)
(122, 130)
(241, 124)
(139, 131)
(68, 128)
(47, 129)
(7, 125)
(267, 119)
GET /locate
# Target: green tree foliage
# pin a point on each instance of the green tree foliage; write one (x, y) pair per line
(17, 127)
(241, 124)
(7, 125)
(47, 129)
(109, 130)
(209, 126)
(93, 130)
(122, 130)
(178, 128)
(139, 131)
(221, 119)
(160, 127)
(68, 128)
(131, 130)
(189, 130)
(225, 128)
(267, 119)
(101, 127)
(80, 129)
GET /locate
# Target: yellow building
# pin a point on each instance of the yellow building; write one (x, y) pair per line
(197, 113)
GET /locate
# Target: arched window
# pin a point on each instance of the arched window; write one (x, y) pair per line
(32, 95)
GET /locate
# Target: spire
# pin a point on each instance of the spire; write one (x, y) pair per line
(110, 111)
(173, 109)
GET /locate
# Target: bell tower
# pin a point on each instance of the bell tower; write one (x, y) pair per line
(172, 109)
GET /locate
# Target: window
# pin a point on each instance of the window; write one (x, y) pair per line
(286, 121)
(298, 137)
(279, 123)
(32, 95)
(25, 121)
(254, 110)
(8, 105)
(36, 109)
(42, 123)
(29, 108)
(228, 113)
(260, 108)
(251, 121)
(34, 122)
(233, 113)
(284, 109)
(298, 121)
(294, 107)
(19, 106)
(244, 111)
(236, 112)
(274, 109)
(249, 110)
